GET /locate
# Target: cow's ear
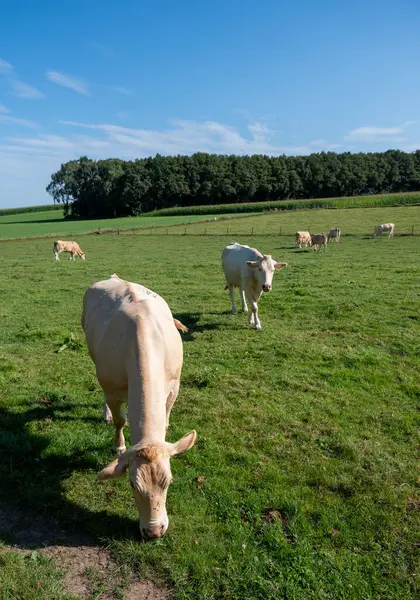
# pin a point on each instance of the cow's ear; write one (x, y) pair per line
(252, 263)
(280, 266)
(185, 443)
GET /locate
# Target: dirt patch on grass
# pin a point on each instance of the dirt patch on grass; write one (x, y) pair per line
(89, 570)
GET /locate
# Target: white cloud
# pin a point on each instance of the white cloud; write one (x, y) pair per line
(122, 115)
(23, 90)
(3, 109)
(16, 121)
(5, 67)
(69, 82)
(324, 145)
(122, 90)
(186, 137)
(380, 134)
(260, 132)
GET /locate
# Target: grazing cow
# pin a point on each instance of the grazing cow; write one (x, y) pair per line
(334, 234)
(72, 247)
(250, 271)
(318, 240)
(303, 238)
(385, 228)
(133, 340)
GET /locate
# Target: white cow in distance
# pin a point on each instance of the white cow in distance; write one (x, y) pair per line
(72, 247)
(303, 238)
(133, 340)
(385, 228)
(250, 271)
(334, 234)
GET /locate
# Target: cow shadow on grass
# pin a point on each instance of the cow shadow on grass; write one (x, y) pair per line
(191, 320)
(34, 510)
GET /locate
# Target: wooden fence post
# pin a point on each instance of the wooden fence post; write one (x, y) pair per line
(205, 231)
(412, 230)
(252, 232)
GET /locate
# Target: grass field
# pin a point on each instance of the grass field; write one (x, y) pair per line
(353, 221)
(53, 223)
(303, 482)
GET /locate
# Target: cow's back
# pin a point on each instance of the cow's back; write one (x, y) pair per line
(234, 258)
(116, 315)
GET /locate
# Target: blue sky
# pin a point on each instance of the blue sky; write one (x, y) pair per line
(130, 79)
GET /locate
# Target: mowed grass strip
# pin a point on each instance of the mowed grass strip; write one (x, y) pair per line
(302, 484)
(52, 223)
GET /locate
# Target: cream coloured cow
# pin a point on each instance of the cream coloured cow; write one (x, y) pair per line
(385, 228)
(303, 238)
(318, 240)
(334, 234)
(133, 340)
(250, 271)
(72, 247)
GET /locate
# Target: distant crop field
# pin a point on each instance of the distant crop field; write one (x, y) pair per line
(52, 223)
(303, 481)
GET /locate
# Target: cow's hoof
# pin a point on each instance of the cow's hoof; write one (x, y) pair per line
(245, 310)
(108, 421)
(257, 326)
(233, 311)
(120, 450)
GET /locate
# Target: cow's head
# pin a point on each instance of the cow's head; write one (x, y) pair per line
(82, 255)
(150, 477)
(263, 269)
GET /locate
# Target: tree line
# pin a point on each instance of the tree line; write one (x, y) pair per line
(115, 188)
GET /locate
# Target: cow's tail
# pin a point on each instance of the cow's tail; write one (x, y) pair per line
(180, 326)
(55, 247)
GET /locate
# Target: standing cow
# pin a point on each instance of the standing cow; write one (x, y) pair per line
(133, 340)
(250, 271)
(318, 240)
(72, 247)
(385, 228)
(334, 234)
(303, 238)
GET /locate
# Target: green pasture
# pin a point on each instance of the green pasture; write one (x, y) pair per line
(302, 484)
(52, 223)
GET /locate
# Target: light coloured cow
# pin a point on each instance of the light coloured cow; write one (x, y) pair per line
(385, 228)
(334, 234)
(318, 240)
(250, 271)
(72, 247)
(303, 238)
(133, 340)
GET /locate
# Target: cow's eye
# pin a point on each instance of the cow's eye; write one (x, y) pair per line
(260, 270)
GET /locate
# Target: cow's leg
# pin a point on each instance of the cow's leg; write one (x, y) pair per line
(243, 299)
(57, 256)
(107, 413)
(119, 417)
(254, 309)
(232, 297)
(170, 401)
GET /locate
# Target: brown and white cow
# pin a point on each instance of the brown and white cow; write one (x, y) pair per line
(385, 228)
(318, 240)
(303, 238)
(72, 247)
(133, 340)
(250, 271)
(334, 234)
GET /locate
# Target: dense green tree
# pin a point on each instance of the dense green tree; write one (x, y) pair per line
(113, 188)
